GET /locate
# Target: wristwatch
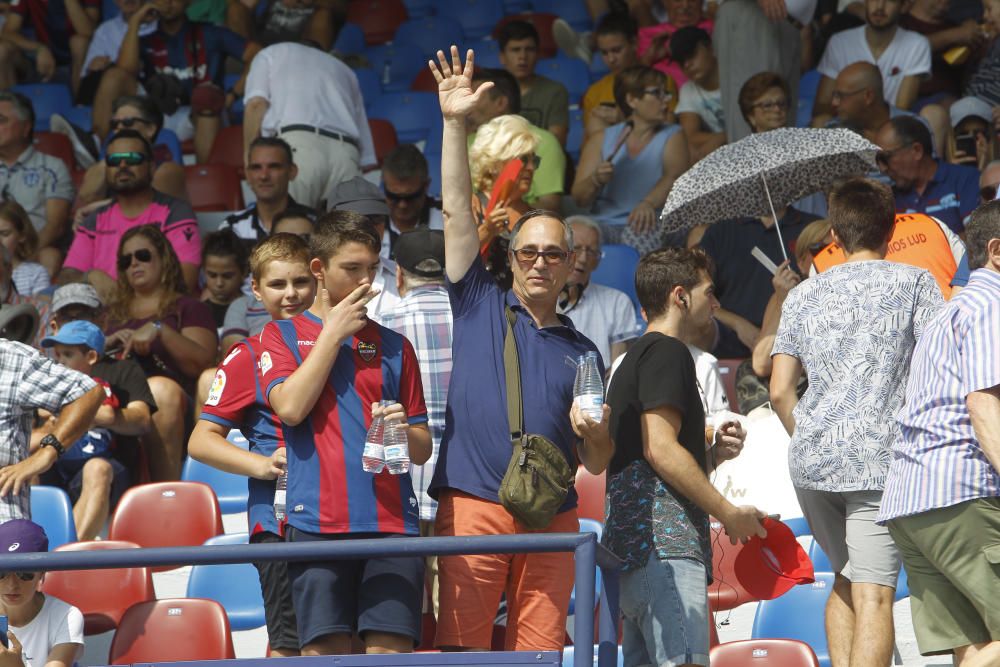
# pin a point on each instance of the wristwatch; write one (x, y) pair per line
(53, 442)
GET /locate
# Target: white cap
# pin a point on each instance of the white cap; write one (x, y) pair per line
(967, 107)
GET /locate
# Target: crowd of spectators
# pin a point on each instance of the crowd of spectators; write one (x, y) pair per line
(343, 251)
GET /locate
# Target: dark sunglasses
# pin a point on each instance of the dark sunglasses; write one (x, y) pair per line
(130, 158)
(400, 196)
(23, 576)
(988, 193)
(529, 255)
(531, 159)
(127, 122)
(143, 255)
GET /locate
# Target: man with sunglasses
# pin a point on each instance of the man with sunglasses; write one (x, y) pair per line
(405, 180)
(476, 446)
(94, 252)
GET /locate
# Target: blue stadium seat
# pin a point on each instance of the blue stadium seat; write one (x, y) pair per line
(350, 39)
(170, 140)
(413, 114)
(477, 17)
(799, 526)
(433, 145)
(109, 10)
(80, 116)
(569, 654)
(570, 72)
(47, 99)
(516, 6)
(596, 527)
(573, 12)
(487, 53)
(617, 269)
(396, 64)
(52, 510)
(798, 614)
(368, 82)
(235, 586)
(808, 87)
(598, 68)
(574, 141)
(434, 172)
(230, 489)
(417, 9)
(820, 561)
(430, 33)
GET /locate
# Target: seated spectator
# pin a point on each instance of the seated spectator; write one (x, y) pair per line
(922, 183)
(624, 179)
(858, 101)
(88, 471)
(763, 102)
(505, 98)
(930, 19)
(102, 52)
(603, 314)
(141, 114)
(269, 171)
(44, 630)
(656, 37)
(224, 261)
(134, 202)
(19, 240)
(544, 102)
(62, 30)
(985, 81)
(699, 109)
(38, 182)
(171, 335)
(972, 140)
(181, 66)
(405, 180)
(268, 22)
(904, 57)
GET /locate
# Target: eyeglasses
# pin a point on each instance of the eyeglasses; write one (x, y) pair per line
(530, 159)
(131, 158)
(144, 255)
(23, 576)
(988, 192)
(529, 255)
(659, 93)
(401, 197)
(771, 105)
(840, 94)
(883, 157)
(127, 122)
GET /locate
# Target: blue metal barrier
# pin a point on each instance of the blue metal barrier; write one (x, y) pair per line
(587, 554)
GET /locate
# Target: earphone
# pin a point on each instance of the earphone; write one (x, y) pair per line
(683, 300)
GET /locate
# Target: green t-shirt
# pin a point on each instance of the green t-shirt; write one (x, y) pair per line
(207, 11)
(546, 103)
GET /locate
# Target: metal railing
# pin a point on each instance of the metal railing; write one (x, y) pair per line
(588, 555)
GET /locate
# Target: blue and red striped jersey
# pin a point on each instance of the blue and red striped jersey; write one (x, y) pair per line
(236, 400)
(328, 491)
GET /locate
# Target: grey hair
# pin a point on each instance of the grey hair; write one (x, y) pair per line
(543, 213)
(589, 223)
(22, 107)
(411, 280)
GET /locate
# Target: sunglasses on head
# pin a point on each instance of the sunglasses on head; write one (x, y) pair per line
(126, 122)
(23, 576)
(141, 255)
(130, 158)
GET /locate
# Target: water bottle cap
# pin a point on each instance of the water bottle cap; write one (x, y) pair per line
(386, 402)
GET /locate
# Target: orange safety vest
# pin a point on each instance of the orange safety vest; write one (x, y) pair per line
(916, 240)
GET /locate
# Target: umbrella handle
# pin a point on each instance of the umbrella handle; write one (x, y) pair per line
(777, 225)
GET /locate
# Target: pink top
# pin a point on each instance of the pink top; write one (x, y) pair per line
(667, 65)
(95, 245)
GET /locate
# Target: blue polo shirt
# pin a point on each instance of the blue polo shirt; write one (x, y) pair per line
(950, 196)
(476, 445)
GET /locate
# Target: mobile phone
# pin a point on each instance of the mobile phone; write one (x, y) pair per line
(966, 143)
(3, 631)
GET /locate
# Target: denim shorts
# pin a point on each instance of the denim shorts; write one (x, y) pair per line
(665, 610)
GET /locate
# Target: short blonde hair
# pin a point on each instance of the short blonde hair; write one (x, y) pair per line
(283, 247)
(497, 143)
(811, 234)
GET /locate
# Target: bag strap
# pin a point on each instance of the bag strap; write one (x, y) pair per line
(512, 371)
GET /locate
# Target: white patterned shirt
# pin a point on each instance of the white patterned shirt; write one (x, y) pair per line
(937, 461)
(854, 328)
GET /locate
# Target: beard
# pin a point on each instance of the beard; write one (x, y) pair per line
(129, 187)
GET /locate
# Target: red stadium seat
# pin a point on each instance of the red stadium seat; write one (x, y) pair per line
(172, 630)
(58, 145)
(378, 19)
(213, 187)
(102, 595)
(763, 653)
(590, 489)
(727, 369)
(547, 47)
(167, 514)
(383, 136)
(228, 148)
(725, 592)
(424, 81)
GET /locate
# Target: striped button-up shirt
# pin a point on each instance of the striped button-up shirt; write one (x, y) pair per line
(424, 317)
(937, 461)
(29, 380)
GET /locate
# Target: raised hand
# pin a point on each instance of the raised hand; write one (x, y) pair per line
(349, 316)
(455, 92)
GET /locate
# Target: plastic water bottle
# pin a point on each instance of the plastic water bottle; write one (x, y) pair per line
(373, 456)
(280, 485)
(588, 388)
(397, 449)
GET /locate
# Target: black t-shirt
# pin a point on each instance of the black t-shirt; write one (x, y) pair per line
(218, 312)
(127, 381)
(658, 371)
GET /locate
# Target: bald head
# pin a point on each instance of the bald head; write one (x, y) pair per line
(861, 75)
(990, 175)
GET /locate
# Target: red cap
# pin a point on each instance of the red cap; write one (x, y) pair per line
(768, 567)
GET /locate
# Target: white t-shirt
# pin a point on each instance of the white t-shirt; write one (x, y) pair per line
(604, 315)
(108, 38)
(706, 103)
(56, 623)
(305, 86)
(908, 54)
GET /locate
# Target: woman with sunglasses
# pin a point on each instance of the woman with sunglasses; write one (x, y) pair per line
(139, 113)
(626, 172)
(41, 630)
(169, 333)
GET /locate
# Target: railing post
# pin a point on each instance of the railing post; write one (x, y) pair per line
(585, 557)
(607, 652)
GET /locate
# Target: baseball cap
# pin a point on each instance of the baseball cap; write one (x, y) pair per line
(75, 293)
(77, 332)
(970, 106)
(770, 566)
(22, 536)
(421, 246)
(358, 195)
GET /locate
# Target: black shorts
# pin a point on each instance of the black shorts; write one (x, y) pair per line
(277, 593)
(347, 596)
(87, 91)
